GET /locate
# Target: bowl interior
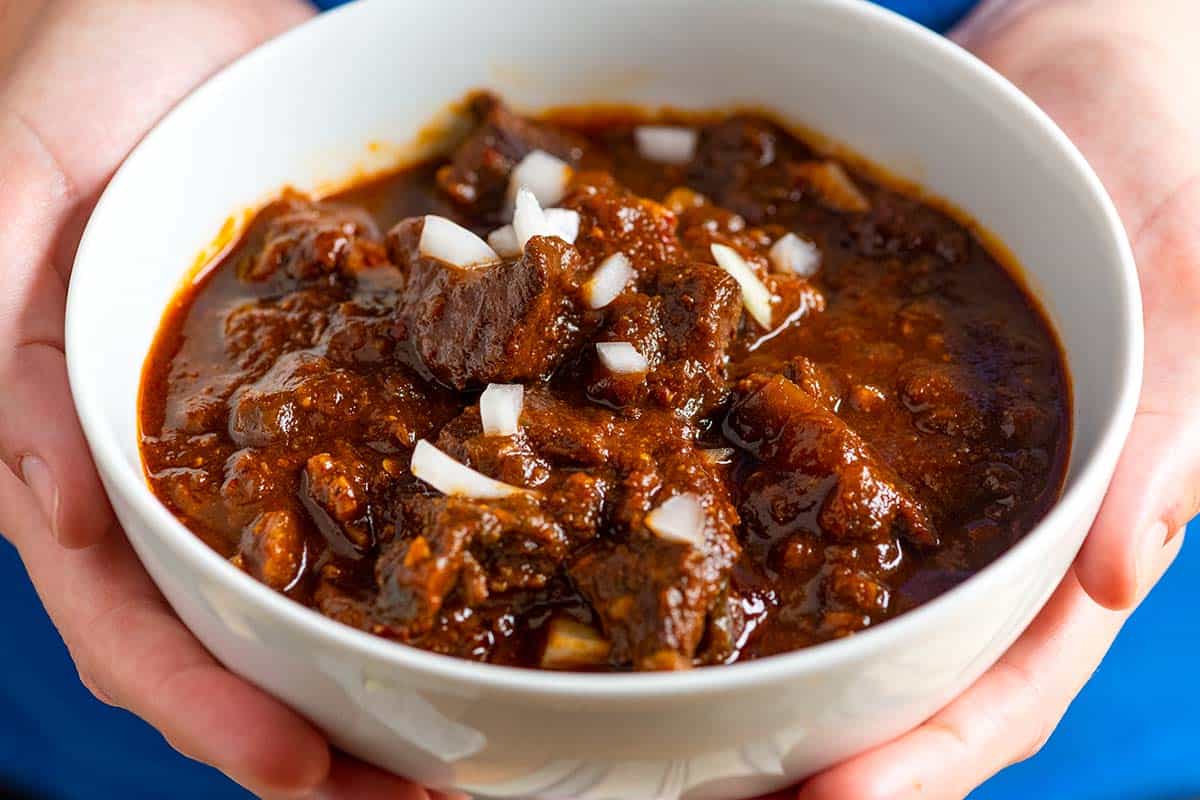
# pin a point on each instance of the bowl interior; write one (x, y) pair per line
(303, 111)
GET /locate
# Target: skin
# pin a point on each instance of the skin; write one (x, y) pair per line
(82, 80)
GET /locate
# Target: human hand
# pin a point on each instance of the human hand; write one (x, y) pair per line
(79, 85)
(1118, 78)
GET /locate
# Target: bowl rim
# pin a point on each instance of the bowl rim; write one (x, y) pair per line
(1091, 477)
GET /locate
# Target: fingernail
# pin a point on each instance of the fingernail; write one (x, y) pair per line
(37, 477)
(1149, 548)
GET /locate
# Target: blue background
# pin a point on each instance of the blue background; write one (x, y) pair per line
(1129, 736)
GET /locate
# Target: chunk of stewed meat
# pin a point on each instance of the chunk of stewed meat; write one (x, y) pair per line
(683, 329)
(512, 322)
(653, 596)
(815, 379)
(730, 155)
(303, 240)
(472, 547)
(510, 459)
(305, 397)
(702, 225)
(942, 399)
(614, 220)
(653, 592)
(477, 177)
(273, 549)
(335, 490)
(790, 430)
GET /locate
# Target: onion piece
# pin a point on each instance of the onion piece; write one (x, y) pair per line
(755, 296)
(680, 519)
(529, 219)
(571, 645)
(543, 174)
(500, 408)
(565, 221)
(837, 189)
(718, 455)
(795, 255)
(452, 243)
(504, 241)
(621, 358)
(667, 144)
(608, 281)
(452, 477)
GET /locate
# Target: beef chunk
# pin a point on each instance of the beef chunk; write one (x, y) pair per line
(304, 397)
(898, 225)
(742, 164)
(256, 333)
(942, 400)
(791, 431)
(473, 547)
(702, 224)
(253, 479)
(512, 322)
(510, 459)
(302, 240)
(815, 379)
(335, 490)
(477, 177)
(653, 597)
(683, 330)
(730, 153)
(613, 219)
(273, 549)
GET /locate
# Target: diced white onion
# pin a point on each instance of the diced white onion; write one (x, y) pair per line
(680, 519)
(529, 219)
(795, 255)
(836, 188)
(455, 478)
(755, 296)
(500, 408)
(621, 358)
(608, 281)
(450, 242)
(543, 174)
(504, 241)
(571, 645)
(667, 144)
(565, 221)
(719, 455)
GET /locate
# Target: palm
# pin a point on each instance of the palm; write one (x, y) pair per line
(89, 79)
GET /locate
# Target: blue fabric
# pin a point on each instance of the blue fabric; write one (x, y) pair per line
(1129, 735)
(937, 14)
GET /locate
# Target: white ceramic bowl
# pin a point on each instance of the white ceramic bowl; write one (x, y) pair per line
(301, 111)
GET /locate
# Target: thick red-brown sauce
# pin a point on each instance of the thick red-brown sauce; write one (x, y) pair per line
(903, 284)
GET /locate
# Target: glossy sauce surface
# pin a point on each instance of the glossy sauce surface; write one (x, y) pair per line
(904, 421)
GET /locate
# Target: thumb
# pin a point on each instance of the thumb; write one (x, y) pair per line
(40, 438)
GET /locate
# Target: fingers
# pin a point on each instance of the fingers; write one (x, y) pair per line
(69, 71)
(1003, 718)
(133, 652)
(350, 779)
(40, 438)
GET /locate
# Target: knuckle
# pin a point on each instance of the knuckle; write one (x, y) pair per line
(96, 687)
(1037, 740)
(1035, 718)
